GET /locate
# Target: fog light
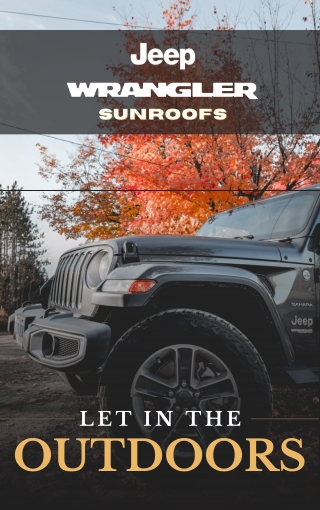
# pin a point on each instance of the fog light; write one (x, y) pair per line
(142, 286)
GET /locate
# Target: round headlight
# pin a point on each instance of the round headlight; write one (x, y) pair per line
(104, 266)
(98, 268)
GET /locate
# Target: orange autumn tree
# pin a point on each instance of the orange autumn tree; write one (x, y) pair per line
(199, 175)
(160, 184)
(177, 181)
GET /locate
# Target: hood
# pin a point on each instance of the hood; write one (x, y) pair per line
(200, 247)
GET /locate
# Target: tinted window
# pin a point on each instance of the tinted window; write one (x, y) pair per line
(280, 216)
(295, 215)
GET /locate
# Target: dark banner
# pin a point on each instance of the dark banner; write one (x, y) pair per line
(76, 82)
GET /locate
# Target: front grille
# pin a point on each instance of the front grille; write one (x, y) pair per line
(69, 279)
(66, 347)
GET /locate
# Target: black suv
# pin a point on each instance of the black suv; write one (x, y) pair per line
(178, 323)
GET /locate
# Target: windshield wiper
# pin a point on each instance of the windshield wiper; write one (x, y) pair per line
(244, 237)
(285, 240)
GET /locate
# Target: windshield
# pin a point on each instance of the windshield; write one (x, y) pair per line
(282, 216)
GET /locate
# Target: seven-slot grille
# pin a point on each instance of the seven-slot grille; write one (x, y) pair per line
(69, 279)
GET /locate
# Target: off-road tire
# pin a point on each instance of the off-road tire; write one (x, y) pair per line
(189, 327)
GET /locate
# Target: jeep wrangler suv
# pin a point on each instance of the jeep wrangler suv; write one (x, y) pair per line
(177, 323)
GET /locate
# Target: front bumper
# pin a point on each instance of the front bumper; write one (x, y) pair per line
(20, 320)
(60, 341)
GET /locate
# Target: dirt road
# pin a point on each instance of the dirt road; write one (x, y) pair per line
(34, 402)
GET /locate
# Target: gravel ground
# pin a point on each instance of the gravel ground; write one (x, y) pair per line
(29, 391)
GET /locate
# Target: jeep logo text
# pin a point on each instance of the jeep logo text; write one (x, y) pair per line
(302, 322)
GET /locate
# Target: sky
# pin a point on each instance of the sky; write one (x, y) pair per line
(18, 153)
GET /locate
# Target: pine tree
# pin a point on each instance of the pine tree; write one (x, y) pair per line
(22, 267)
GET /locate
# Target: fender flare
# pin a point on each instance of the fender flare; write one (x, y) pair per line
(164, 273)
